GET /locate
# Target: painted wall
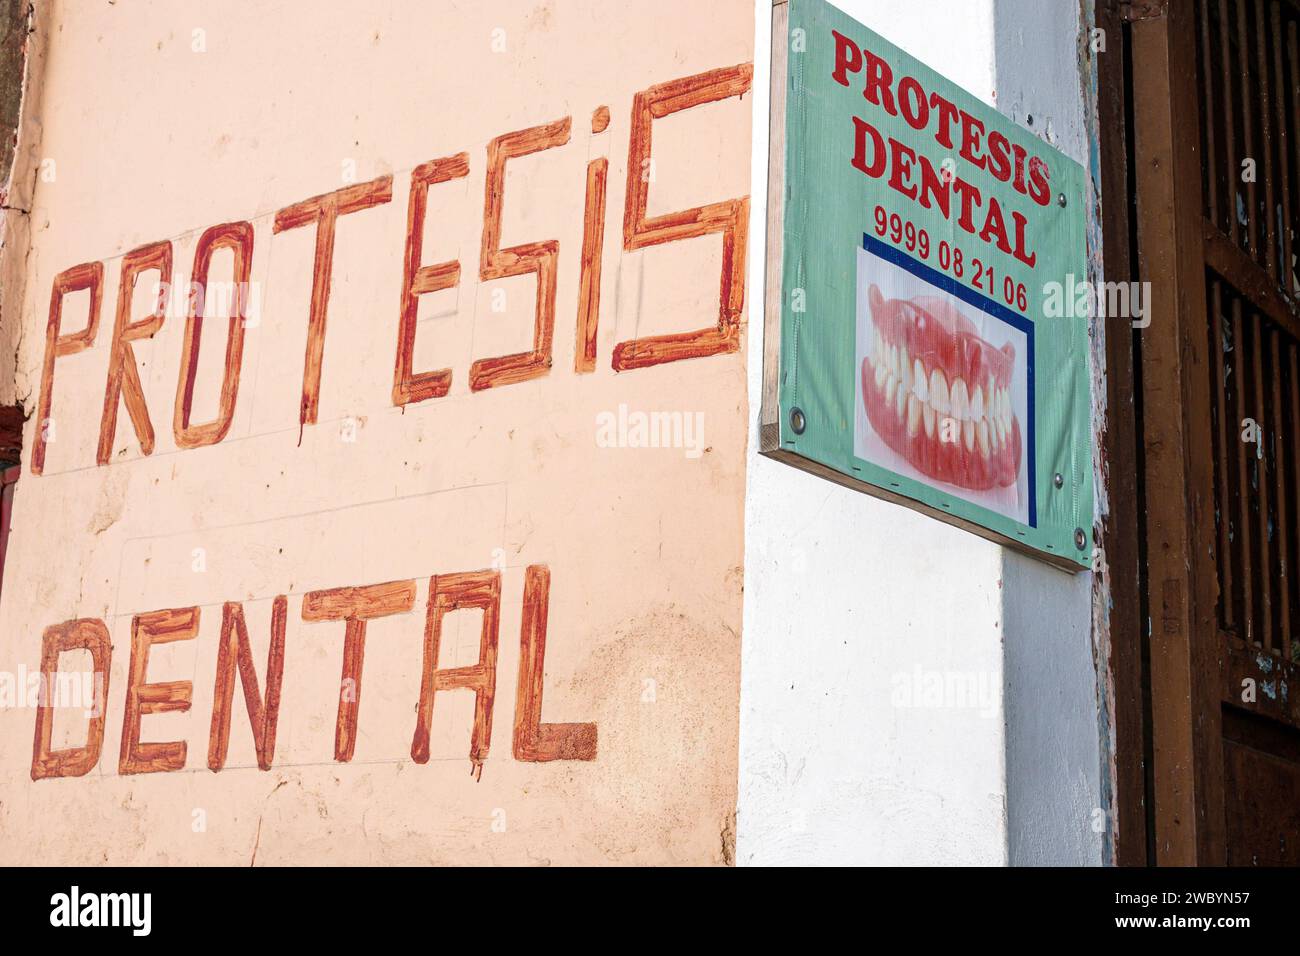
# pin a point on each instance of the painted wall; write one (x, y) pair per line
(910, 693)
(164, 119)
(854, 610)
(1058, 776)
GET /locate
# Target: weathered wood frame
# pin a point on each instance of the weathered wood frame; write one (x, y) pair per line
(1191, 660)
(1120, 588)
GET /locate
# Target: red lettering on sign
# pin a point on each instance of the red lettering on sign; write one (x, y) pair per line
(418, 280)
(238, 238)
(531, 257)
(233, 652)
(534, 740)
(458, 592)
(87, 634)
(731, 218)
(142, 699)
(88, 275)
(324, 211)
(355, 606)
(123, 375)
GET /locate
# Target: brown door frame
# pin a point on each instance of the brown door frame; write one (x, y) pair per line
(1185, 680)
(1121, 446)
(1166, 660)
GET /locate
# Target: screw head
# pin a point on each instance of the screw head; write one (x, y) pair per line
(797, 421)
(1080, 539)
(1061, 200)
(1059, 480)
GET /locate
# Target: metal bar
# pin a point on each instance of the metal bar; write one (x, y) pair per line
(1266, 134)
(1295, 463)
(1283, 530)
(1247, 131)
(1265, 578)
(1243, 480)
(1284, 147)
(1208, 118)
(1231, 165)
(1293, 57)
(1227, 599)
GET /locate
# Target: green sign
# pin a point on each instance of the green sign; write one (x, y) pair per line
(917, 242)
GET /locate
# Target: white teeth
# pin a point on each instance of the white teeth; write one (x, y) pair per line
(920, 381)
(939, 392)
(960, 403)
(913, 415)
(981, 416)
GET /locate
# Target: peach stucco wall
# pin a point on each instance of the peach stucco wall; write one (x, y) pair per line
(165, 118)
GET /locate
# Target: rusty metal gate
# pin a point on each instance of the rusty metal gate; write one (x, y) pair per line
(1213, 166)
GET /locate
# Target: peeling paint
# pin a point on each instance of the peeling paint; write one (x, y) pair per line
(1102, 603)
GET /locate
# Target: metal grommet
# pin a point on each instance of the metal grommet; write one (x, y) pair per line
(1060, 200)
(797, 421)
(1059, 480)
(1080, 539)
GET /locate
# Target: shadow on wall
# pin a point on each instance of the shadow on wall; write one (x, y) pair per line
(1058, 790)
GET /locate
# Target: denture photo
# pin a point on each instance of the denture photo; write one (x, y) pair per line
(940, 395)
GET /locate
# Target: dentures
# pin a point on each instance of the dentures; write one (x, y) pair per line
(939, 395)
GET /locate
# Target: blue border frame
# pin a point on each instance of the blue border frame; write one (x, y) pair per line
(946, 283)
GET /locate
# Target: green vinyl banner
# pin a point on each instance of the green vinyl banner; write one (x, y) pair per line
(930, 253)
